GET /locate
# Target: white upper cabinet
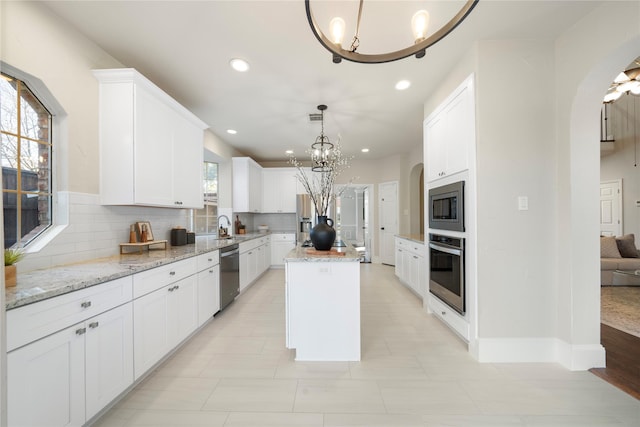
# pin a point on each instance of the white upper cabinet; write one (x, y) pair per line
(151, 147)
(279, 190)
(449, 132)
(247, 185)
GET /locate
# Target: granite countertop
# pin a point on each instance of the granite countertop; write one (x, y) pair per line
(38, 285)
(307, 254)
(418, 238)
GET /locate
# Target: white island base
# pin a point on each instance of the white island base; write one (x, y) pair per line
(323, 306)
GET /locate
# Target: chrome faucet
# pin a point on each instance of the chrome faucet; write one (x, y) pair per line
(226, 230)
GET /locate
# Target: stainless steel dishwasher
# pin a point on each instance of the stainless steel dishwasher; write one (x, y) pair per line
(229, 274)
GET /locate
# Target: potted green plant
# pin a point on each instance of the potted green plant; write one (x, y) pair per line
(11, 257)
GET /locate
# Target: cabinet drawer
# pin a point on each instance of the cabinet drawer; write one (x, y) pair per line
(207, 260)
(34, 321)
(283, 237)
(449, 316)
(156, 278)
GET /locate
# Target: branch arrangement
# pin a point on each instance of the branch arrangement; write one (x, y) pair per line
(320, 185)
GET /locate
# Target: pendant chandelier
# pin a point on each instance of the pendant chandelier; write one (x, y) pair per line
(419, 24)
(626, 82)
(321, 150)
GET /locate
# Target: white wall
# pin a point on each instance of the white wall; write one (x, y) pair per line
(624, 162)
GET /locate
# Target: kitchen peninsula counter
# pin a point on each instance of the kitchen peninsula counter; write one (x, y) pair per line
(323, 304)
(39, 285)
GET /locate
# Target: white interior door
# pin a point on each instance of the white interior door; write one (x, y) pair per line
(611, 208)
(388, 197)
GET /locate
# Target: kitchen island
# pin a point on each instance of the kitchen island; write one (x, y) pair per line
(323, 304)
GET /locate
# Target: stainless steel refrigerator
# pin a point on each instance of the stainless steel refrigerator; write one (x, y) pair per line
(306, 218)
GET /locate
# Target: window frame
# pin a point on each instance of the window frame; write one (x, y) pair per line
(59, 203)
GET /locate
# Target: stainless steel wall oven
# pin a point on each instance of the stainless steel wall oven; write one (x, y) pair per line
(446, 270)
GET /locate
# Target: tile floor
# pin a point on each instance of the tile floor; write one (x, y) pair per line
(236, 372)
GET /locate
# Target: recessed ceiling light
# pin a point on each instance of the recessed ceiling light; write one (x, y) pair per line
(365, 150)
(232, 131)
(403, 84)
(288, 152)
(239, 65)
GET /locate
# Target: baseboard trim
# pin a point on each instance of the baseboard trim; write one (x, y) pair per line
(539, 350)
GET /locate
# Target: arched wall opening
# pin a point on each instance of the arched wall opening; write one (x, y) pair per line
(416, 200)
(579, 301)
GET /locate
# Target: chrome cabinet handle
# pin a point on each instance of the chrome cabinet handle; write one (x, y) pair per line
(444, 313)
(172, 273)
(85, 304)
(94, 325)
(81, 331)
(211, 271)
(209, 259)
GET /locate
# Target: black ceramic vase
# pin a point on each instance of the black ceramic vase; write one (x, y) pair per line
(323, 234)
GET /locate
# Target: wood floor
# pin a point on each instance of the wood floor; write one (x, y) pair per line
(623, 360)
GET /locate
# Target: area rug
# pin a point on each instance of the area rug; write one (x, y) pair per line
(620, 308)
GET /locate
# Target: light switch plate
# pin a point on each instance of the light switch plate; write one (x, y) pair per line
(523, 203)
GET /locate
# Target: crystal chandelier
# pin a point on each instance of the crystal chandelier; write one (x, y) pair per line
(419, 26)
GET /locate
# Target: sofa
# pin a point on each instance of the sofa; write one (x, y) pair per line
(617, 253)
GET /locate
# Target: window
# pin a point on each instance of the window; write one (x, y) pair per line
(206, 219)
(25, 131)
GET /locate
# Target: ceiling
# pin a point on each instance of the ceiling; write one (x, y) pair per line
(185, 48)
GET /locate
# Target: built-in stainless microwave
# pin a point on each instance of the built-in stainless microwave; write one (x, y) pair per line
(446, 207)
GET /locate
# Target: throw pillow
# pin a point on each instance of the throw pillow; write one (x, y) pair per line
(627, 246)
(609, 247)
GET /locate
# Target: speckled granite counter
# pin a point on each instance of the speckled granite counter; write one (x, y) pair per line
(335, 255)
(39, 285)
(418, 238)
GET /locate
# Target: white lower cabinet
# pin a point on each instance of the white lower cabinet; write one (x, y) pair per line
(253, 260)
(410, 266)
(162, 319)
(281, 245)
(66, 378)
(208, 293)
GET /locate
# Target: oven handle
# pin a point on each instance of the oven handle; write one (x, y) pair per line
(445, 249)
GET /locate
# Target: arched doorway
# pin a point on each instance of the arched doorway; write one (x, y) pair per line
(578, 224)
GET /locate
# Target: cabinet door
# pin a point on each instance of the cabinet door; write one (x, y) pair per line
(407, 257)
(109, 357)
(187, 154)
(399, 259)
(270, 196)
(414, 273)
(255, 187)
(208, 293)
(245, 270)
(435, 134)
(150, 329)
(153, 174)
(288, 192)
(186, 295)
(45, 381)
(458, 119)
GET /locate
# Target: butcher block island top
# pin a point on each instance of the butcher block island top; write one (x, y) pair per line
(322, 299)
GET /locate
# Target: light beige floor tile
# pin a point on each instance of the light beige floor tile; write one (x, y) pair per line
(574, 421)
(233, 345)
(242, 366)
(292, 369)
(252, 395)
(473, 421)
(426, 397)
(261, 419)
(166, 418)
(372, 420)
(344, 396)
(115, 417)
(387, 367)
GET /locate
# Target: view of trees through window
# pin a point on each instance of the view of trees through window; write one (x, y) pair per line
(206, 219)
(25, 152)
